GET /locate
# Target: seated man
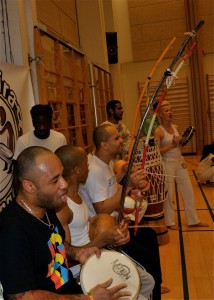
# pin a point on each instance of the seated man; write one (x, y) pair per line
(102, 194)
(75, 215)
(32, 247)
(205, 171)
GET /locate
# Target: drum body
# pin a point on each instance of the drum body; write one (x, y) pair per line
(114, 265)
(156, 194)
(99, 224)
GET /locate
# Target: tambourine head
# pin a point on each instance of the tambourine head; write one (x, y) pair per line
(111, 264)
(187, 135)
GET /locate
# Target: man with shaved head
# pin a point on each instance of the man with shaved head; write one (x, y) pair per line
(34, 255)
(74, 215)
(102, 193)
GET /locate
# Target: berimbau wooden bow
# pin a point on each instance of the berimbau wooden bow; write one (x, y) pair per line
(167, 73)
(169, 82)
(137, 111)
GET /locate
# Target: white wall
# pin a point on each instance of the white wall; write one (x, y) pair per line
(117, 19)
(132, 73)
(92, 31)
(10, 33)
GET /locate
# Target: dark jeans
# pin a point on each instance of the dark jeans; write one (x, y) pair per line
(144, 249)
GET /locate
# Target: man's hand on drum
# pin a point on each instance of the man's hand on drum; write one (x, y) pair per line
(103, 292)
(137, 180)
(84, 253)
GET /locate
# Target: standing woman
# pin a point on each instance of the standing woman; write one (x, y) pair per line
(168, 139)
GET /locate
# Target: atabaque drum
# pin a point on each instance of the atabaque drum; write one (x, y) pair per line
(156, 194)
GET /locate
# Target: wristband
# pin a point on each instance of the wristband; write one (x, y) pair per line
(89, 296)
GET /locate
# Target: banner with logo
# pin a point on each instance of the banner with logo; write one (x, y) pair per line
(16, 100)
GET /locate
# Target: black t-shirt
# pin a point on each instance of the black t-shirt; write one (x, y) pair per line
(32, 255)
(207, 150)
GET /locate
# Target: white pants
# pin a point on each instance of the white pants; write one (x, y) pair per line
(178, 169)
(1, 292)
(147, 281)
(205, 170)
(147, 284)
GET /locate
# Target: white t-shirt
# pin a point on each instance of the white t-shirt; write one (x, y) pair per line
(101, 183)
(54, 141)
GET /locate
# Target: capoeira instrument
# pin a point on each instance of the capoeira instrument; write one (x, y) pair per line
(187, 136)
(162, 236)
(156, 194)
(167, 73)
(144, 90)
(139, 205)
(111, 264)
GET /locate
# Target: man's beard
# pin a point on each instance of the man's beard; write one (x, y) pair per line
(46, 201)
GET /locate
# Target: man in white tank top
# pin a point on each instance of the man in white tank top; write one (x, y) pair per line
(75, 215)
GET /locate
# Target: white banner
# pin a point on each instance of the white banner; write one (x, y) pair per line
(16, 100)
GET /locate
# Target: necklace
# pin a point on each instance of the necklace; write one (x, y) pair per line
(50, 225)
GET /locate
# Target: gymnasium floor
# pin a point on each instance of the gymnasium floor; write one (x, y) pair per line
(188, 260)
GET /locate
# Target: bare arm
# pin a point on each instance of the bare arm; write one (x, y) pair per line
(99, 292)
(109, 205)
(105, 233)
(120, 168)
(80, 254)
(110, 237)
(65, 216)
(43, 295)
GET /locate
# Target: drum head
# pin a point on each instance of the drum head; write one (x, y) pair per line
(111, 264)
(187, 135)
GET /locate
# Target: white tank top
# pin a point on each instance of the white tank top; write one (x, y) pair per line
(174, 153)
(79, 226)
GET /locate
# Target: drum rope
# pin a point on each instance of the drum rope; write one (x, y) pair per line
(165, 175)
(181, 50)
(169, 81)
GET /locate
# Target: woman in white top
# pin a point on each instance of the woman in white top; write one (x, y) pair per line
(168, 138)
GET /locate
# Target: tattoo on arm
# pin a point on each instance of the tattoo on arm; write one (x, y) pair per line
(71, 251)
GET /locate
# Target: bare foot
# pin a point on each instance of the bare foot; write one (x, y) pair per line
(200, 224)
(165, 290)
(174, 227)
